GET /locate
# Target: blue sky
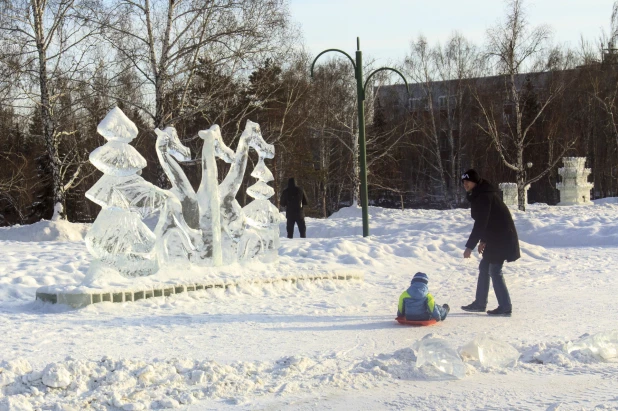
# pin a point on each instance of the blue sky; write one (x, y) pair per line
(386, 27)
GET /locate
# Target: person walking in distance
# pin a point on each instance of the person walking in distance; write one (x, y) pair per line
(495, 233)
(293, 199)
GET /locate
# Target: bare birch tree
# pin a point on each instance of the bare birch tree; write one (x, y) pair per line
(514, 47)
(441, 74)
(603, 78)
(164, 40)
(53, 42)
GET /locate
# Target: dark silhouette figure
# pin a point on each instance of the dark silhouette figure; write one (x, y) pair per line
(494, 231)
(293, 199)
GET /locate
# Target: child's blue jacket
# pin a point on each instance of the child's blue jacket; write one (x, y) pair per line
(416, 304)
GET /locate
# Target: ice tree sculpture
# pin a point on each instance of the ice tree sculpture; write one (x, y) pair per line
(261, 214)
(207, 227)
(118, 237)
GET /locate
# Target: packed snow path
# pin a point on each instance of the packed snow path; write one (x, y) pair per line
(325, 344)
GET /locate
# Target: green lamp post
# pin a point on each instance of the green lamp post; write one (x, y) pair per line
(360, 91)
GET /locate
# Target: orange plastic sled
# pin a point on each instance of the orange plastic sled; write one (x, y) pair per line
(402, 320)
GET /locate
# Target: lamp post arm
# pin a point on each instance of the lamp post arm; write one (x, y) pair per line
(382, 69)
(337, 50)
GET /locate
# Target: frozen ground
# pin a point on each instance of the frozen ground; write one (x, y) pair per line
(319, 345)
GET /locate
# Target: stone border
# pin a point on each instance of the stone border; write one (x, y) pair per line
(79, 300)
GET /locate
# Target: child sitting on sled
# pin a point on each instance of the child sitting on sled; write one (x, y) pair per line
(416, 304)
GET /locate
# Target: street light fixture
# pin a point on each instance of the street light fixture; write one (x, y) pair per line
(360, 92)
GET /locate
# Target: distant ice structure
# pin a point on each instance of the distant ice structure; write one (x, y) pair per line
(602, 346)
(490, 352)
(437, 353)
(509, 193)
(574, 188)
(207, 227)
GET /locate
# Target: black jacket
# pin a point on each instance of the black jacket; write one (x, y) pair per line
(493, 225)
(293, 199)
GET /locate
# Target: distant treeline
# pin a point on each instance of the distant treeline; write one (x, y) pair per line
(64, 65)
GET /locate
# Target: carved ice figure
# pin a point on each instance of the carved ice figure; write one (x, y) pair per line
(261, 214)
(208, 192)
(118, 237)
(509, 193)
(207, 227)
(169, 151)
(233, 219)
(574, 187)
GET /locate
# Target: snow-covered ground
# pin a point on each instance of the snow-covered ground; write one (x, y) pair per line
(319, 345)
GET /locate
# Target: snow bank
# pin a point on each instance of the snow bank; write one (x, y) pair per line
(568, 226)
(161, 384)
(607, 200)
(45, 230)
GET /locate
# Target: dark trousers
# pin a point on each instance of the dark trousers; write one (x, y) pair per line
(300, 221)
(489, 270)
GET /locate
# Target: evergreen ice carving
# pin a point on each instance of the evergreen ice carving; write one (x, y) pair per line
(261, 214)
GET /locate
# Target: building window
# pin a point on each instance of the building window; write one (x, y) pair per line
(414, 103)
(442, 102)
(507, 112)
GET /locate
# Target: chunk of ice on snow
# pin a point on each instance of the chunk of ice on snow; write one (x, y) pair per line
(603, 345)
(490, 352)
(437, 353)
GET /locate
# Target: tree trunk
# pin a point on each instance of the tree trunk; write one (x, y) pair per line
(521, 181)
(49, 132)
(324, 208)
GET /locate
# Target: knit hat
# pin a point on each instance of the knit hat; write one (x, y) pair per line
(471, 175)
(420, 278)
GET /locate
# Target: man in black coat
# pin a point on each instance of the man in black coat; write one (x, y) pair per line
(496, 235)
(293, 199)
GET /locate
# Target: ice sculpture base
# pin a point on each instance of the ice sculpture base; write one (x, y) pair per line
(82, 296)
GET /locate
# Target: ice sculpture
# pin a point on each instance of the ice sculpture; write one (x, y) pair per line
(243, 240)
(118, 236)
(207, 227)
(490, 352)
(208, 196)
(574, 188)
(603, 345)
(169, 151)
(509, 193)
(437, 353)
(261, 214)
